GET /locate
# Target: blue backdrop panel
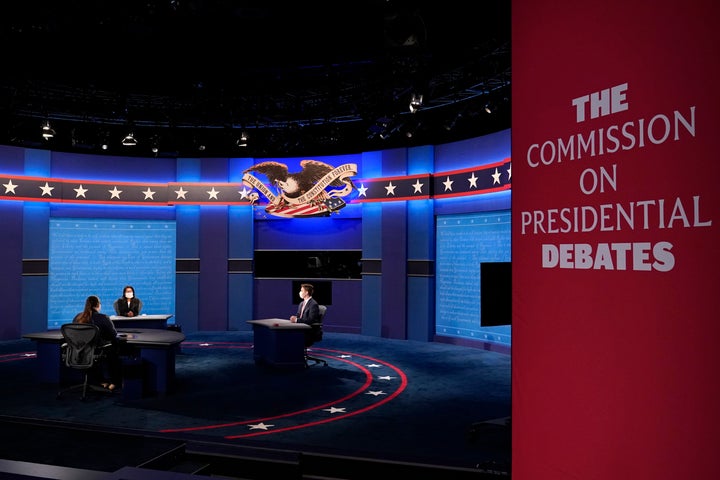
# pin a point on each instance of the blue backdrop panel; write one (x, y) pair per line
(473, 152)
(317, 233)
(101, 256)
(463, 243)
(11, 214)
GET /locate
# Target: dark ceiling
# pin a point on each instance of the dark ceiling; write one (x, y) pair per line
(299, 78)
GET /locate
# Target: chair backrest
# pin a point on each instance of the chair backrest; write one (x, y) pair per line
(317, 332)
(81, 342)
(117, 310)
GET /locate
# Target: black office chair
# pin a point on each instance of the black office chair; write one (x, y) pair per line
(82, 349)
(315, 334)
(117, 310)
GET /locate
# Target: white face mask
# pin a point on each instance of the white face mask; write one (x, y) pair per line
(301, 295)
(129, 295)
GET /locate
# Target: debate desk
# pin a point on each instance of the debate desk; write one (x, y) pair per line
(279, 343)
(141, 321)
(153, 349)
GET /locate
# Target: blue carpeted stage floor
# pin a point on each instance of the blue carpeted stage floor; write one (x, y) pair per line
(408, 401)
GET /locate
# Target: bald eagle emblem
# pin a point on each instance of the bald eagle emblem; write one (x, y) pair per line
(317, 189)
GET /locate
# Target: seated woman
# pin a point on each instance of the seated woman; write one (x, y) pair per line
(91, 314)
(128, 305)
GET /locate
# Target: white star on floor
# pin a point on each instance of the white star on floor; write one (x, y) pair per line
(375, 393)
(373, 365)
(334, 410)
(344, 356)
(386, 377)
(260, 426)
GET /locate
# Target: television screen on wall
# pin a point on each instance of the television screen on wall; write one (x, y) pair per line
(495, 293)
(306, 264)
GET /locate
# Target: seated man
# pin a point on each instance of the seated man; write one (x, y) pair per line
(308, 309)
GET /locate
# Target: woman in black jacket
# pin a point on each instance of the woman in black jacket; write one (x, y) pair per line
(128, 305)
(108, 334)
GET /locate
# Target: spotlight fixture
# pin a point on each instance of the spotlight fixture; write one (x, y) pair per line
(416, 102)
(47, 131)
(243, 140)
(129, 140)
(155, 145)
(488, 108)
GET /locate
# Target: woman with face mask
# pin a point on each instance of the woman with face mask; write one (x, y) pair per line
(128, 305)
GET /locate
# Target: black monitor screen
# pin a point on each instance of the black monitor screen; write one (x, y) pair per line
(307, 263)
(495, 293)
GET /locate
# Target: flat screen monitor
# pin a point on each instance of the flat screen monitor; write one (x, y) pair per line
(495, 293)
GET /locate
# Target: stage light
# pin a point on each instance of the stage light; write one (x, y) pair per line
(155, 145)
(243, 140)
(416, 102)
(47, 131)
(129, 140)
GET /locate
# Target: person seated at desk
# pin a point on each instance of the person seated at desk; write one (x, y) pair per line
(308, 309)
(128, 305)
(91, 314)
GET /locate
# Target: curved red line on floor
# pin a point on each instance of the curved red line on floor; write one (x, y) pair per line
(368, 381)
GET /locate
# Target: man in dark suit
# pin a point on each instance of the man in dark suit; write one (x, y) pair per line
(308, 309)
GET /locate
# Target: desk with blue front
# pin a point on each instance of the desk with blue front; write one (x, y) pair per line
(279, 343)
(153, 348)
(141, 321)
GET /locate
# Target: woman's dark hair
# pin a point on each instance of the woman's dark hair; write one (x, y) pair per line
(91, 303)
(130, 287)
